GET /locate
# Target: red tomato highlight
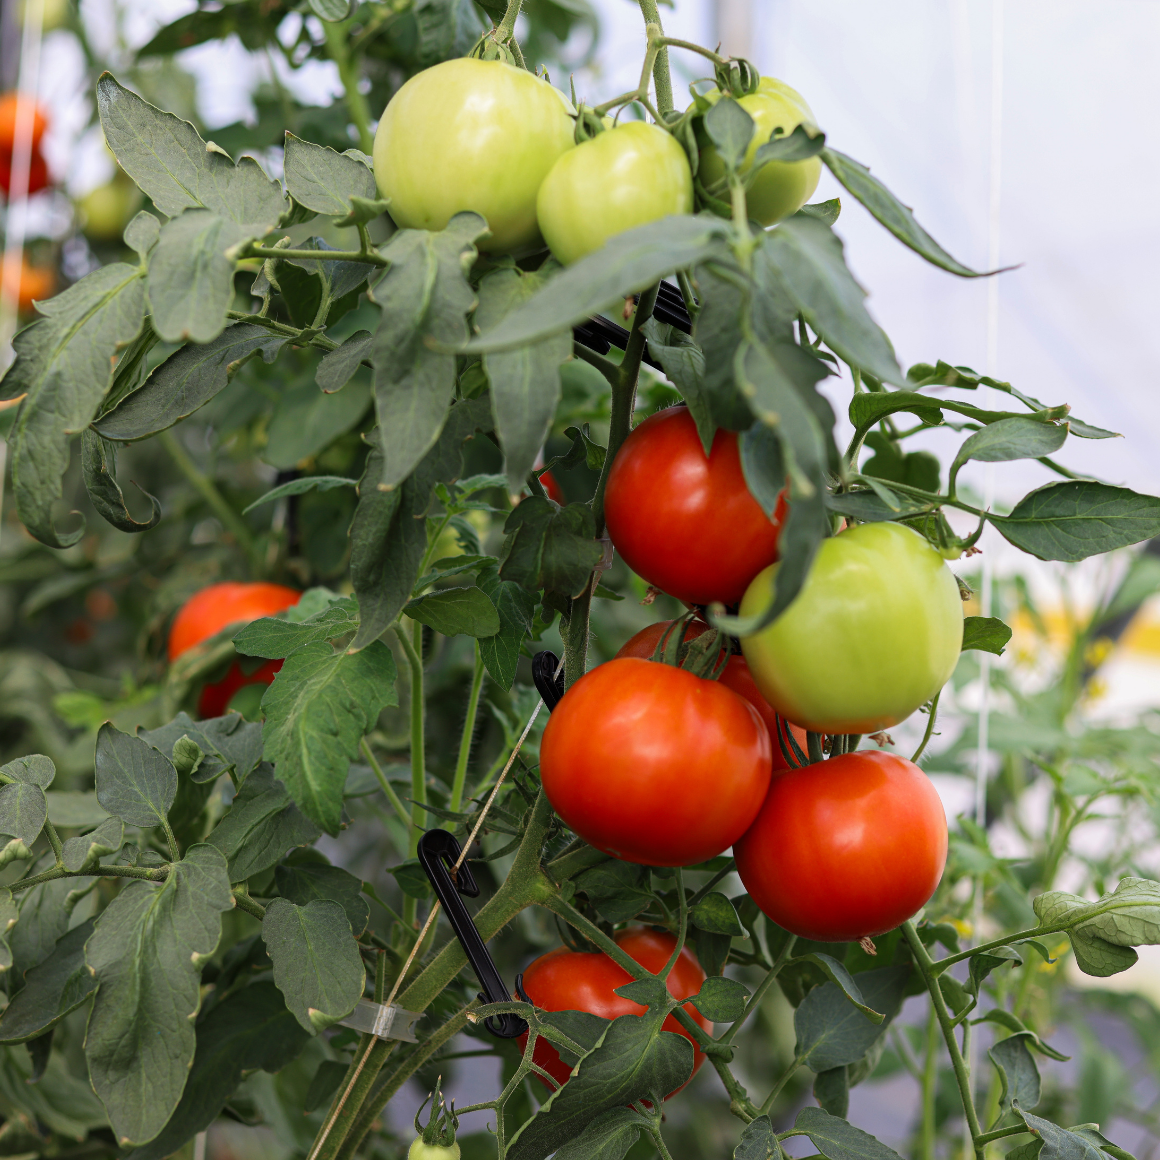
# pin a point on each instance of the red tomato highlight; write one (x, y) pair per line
(654, 765)
(207, 612)
(685, 522)
(564, 980)
(845, 848)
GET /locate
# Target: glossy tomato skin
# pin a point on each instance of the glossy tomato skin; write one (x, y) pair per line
(420, 1151)
(209, 611)
(654, 765)
(874, 633)
(782, 187)
(682, 520)
(554, 490)
(475, 135)
(735, 676)
(849, 847)
(12, 104)
(624, 177)
(564, 980)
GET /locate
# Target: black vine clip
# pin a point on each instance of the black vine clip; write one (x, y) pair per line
(548, 685)
(437, 852)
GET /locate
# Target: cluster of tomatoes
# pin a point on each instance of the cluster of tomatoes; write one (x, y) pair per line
(484, 136)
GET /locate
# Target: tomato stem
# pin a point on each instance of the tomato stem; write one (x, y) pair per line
(931, 716)
(466, 738)
(682, 927)
(388, 789)
(505, 29)
(660, 68)
(765, 984)
(350, 75)
(782, 1080)
(414, 651)
(814, 746)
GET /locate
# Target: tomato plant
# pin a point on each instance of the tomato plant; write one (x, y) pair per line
(571, 980)
(683, 520)
(845, 850)
(880, 597)
(219, 606)
(655, 765)
(626, 176)
(336, 389)
(477, 135)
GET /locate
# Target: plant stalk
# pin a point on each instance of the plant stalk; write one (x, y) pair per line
(662, 78)
(349, 74)
(460, 777)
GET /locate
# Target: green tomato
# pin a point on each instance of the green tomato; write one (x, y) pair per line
(107, 210)
(874, 633)
(420, 1151)
(472, 135)
(624, 177)
(782, 187)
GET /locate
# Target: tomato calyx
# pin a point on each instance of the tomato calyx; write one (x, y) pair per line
(704, 655)
(488, 47)
(737, 77)
(441, 1127)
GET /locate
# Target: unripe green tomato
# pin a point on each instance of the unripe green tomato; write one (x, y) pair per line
(471, 135)
(107, 210)
(782, 187)
(874, 633)
(624, 177)
(420, 1151)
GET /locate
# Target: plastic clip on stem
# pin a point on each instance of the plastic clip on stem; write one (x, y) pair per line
(438, 851)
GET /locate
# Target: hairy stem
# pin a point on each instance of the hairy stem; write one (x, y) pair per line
(253, 250)
(922, 961)
(661, 75)
(468, 732)
(931, 717)
(243, 901)
(929, 1089)
(388, 789)
(150, 874)
(54, 842)
(506, 28)
(763, 987)
(414, 651)
(782, 1080)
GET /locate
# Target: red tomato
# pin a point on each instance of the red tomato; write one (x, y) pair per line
(683, 521)
(552, 488)
(564, 980)
(207, 612)
(37, 172)
(654, 765)
(32, 284)
(847, 848)
(11, 106)
(735, 676)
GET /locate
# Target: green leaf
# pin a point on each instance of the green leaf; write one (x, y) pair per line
(141, 234)
(262, 824)
(985, 633)
(724, 297)
(763, 465)
(1010, 439)
(247, 1030)
(1079, 518)
(301, 486)
(146, 955)
(608, 1137)
(187, 380)
(1017, 1071)
(838, 1139)
(170, 162)
(634, 1059)
(550, 547)
(36, 769)
(895, 216)
(99, 469)
(425, 298)
(303, 882)
(388, 541)
(601, 280)
(84, 852)
(322, 179)
(74, 809)
(803, 143)
(9, 913)
(721, 1000)
(1012, 1022)
(228, 743)
(824, 211)
(617, 890)
(364, 210)
(716, 914)
(318, 709)
(831, 1031)
(412, 878)
(868, 507)
(456, 611)
(53, 988)
(684, 365)
(317, 965)
(332, 10)
(134, 781)
(63, 367)
(837, 973)
(515, 607)
(191, 280)
(832, 1090)
(730, 128)
(1104, 932)
(758, 1141)
(339, 365)
(1059, 1143)
(525, 382)
(276, 637)
(23, 810)
(810, 259)
(307, 420)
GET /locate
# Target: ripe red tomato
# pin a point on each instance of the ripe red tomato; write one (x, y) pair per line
(683, 521)
(564, 980)
(12, 104)
(654, 765)
(735, 676)
(847, 848)
(37, 172)
(207, 612)
(555, 492)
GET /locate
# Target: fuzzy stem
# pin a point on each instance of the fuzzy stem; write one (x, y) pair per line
(661, 76)
(468, 732)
